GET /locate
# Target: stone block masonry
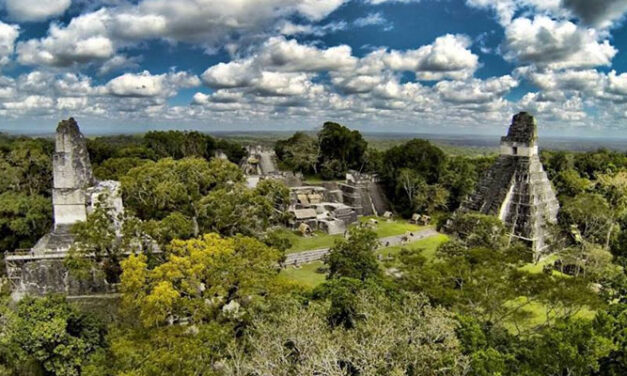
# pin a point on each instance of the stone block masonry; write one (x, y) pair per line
(72, 174)
(75, 193)
(516, 188)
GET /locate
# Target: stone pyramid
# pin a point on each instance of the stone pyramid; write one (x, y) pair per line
(516, 188)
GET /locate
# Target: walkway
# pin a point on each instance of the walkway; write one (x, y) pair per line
(317, 254)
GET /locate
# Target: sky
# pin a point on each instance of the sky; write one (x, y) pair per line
(436, 66)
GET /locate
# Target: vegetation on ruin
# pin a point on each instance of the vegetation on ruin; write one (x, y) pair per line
(216, 301)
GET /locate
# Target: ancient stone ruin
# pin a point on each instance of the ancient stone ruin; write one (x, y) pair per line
(75, 194)
(516, 188)
(333, 206)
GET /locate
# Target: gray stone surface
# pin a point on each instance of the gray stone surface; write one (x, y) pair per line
(516, 188)
(75, 194)
(72, 174)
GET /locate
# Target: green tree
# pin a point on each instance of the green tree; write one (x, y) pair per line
(354, 257)
(612, 324)
(23, 219)
(569, 347)
(115, 168)
(200, 277)
(479, 230)
(340, 143)
(156, 189)
(393, 337)
(298, 153)
(413, 164)
(591, 214)
(55, 335)
(459, 178)
(570, 183)
(177, 144)
(27, 167)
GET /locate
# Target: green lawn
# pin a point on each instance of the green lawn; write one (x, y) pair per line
(428, 246)
(305, 274)
(306, 243)
(537, 268)
(322, 240)
(396, 227)
(535, 313)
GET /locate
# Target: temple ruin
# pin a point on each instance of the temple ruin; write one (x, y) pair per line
(75, 194)
(328, 206)
(516, 188)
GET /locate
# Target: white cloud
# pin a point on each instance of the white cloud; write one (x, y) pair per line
(232, 74)
(597, 13)
(147, 85)
(8, 35)
(377, 2)
(209, 21)
(278, 55)
(118, 62)
(448, 56)
(588, 80)
(506, 9)
(618, 84)
(36, 10)
(475, 90)
(555, 44)
(601, 13)
(371, 19)
(565, 110)
(82, 41)
(288, 28)
(289, 55)
(97, 36)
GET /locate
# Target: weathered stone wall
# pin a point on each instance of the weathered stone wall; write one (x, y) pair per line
(45, 276)
(72, 174)
(516, 188)
(75, 193)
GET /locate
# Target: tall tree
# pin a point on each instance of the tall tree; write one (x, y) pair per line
(340, 143)
(354, 257)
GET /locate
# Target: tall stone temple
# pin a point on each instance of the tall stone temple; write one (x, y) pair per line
(516, 188)
(75, 194)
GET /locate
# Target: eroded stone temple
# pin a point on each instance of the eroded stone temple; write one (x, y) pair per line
(516, 188)
(75, 193)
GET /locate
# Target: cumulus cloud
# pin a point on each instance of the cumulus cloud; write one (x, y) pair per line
(475, 90)
(8, 35)
(555, 44)
(507, 9)
(278, 55)
(145, 84)
(600, 13)
(289, 55)
(82, 41)
(618, 84)
(587, 80)
(96, 36)
(597, 13)
(448, 56)
(563, 110)
(36, 10)
(209, 21)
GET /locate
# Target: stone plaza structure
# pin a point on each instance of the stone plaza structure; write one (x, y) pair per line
(516, 189)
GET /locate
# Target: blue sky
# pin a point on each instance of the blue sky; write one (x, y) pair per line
(441, 66)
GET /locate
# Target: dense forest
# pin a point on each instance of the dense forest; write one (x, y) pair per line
(215, 302)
